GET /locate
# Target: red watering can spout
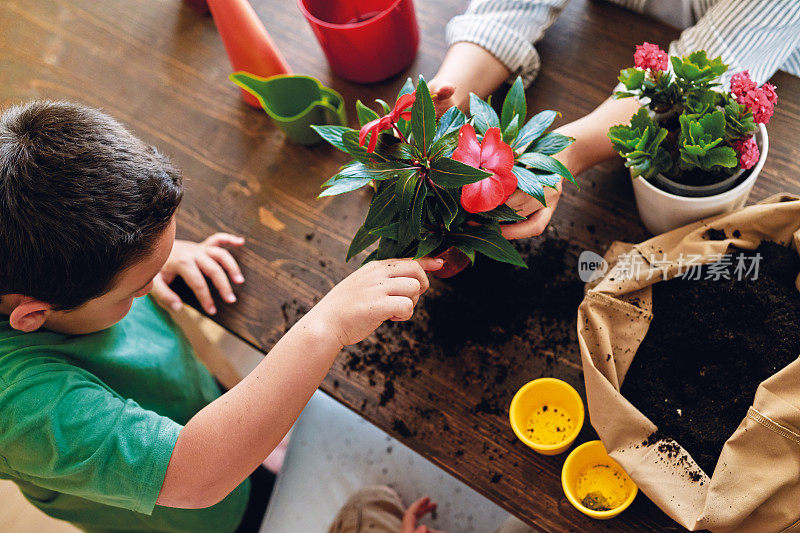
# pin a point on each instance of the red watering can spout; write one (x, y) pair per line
(249, 46)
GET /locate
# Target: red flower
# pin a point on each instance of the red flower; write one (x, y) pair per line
(493, 155)
(748, 152)
(760, 100)
(402, 109)
(650, 56)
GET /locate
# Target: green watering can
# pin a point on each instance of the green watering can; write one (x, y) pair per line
(295, 103)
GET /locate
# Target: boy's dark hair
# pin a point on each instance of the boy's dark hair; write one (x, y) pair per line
(81, 199)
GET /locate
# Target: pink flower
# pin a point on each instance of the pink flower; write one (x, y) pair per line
(760, 100)
(650, 56)
(741, 83)
(492, 155)
(748, 152)
(386, 122)
(769, 90)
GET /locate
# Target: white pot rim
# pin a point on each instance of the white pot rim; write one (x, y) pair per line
(756, 170)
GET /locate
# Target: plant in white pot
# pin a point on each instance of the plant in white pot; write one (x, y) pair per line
(693, 149)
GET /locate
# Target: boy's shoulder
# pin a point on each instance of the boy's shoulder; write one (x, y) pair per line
(27, 354)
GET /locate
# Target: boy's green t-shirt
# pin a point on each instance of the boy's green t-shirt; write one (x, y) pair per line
(88, 422)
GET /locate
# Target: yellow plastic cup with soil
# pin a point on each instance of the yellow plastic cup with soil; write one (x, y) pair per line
(547, 414)
(595, 484)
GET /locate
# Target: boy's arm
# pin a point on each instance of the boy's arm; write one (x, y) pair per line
(225, 441)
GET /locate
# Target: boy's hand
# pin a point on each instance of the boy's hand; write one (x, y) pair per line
(414, 513)
(376, 292)
(193, 262)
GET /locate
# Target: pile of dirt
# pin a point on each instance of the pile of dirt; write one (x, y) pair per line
(710, 344)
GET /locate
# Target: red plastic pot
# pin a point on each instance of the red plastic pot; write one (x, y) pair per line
(365, 41)
(454, 262)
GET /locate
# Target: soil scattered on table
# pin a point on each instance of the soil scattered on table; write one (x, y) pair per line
(710, 344)
(478, 323)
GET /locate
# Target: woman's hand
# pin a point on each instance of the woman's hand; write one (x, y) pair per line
(538, 216)
(194, 262)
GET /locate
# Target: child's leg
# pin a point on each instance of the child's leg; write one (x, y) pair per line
(375, 509)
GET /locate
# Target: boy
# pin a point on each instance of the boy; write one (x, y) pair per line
(106, 418)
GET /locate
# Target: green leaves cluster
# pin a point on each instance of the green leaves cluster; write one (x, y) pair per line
(700, 143)
(698, 126)
(416, 209)
(642, 145)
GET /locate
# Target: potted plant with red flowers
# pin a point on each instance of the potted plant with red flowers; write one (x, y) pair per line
(693, 149)
(441, 185)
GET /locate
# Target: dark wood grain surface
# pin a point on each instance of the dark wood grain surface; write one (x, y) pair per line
(162, 69)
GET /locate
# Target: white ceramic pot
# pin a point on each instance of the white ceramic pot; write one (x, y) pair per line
(661, 211)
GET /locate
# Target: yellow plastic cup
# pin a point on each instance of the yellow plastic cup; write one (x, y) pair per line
(547, 415)
(595, 484)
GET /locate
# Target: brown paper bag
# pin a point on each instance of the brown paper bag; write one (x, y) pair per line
(756, 485)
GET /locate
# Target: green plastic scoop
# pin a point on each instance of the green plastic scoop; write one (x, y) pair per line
(295, 103)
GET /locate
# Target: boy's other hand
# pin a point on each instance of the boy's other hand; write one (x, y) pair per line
(194, 262)
(376, 292)
(414, 513)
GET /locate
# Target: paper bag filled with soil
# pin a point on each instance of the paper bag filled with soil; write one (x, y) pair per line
(754, 482)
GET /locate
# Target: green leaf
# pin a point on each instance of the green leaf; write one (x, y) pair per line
(361, 241)
(350, 143)
(373, 255)
(382, 208)
(631, 78)
(365, 114)
(333, 134)
(451, 121)
(489, 242)
(551, 143)
(449, 173)
(405, 189)
(401, 151)
(482, 114)
(514, 105)
(533, 129)
(390, 231)
(548, 164)
(723, 156)
(428, 245)
(445, 146)
(386, 107)
(510, 133)
(407, 88)
(423, 118)
(379, 172)
(529, 183)
(388, 249)
(344, 185)
(502, 213)
(448, 202)
(415, 220)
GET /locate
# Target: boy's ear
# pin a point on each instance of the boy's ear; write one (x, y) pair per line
(29, 314)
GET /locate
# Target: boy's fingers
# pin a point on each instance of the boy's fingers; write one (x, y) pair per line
(164, 296)
(399, 308)
(430, 264)
(408, 287)
(224, 239)
(218, 277)
(194, 279)
(224, 257)
(413, 269)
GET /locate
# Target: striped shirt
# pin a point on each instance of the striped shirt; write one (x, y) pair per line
(760, 35)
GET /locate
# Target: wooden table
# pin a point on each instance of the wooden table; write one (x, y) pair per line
(161, 68)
